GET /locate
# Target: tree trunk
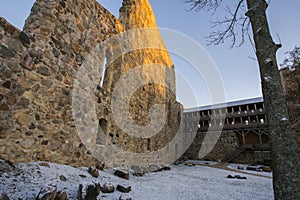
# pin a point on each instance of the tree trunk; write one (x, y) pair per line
(285, 158)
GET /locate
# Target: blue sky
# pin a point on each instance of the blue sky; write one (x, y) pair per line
(240, 74)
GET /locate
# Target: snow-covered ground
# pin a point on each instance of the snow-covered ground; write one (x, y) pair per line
(181, 182)
(202, 162)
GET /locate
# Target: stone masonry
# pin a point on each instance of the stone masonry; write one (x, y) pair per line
(38, 67)
(227, 143)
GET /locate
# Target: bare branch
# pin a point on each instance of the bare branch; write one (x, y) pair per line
(218, 37)
(279, 38)
(230, 26)
(293, 58)
(252, 58)
(245, 29)
(203, 4)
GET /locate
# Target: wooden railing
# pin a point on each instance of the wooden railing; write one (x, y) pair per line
(234, 126)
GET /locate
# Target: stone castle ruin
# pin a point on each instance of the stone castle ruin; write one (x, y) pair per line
(39, 69)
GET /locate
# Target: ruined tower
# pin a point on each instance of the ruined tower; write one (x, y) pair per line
(38, 71)
(145, 59)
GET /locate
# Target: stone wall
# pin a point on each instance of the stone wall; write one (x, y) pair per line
(149, 63)
(38, 68)
(227, 143)
(291, 83)
(254, 157)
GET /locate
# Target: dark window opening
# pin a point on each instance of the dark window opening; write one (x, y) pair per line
(230, 110)
(148, 144)
(237, 120)
(101, 131)
(230, 121)
(244, 108)
(236, 109)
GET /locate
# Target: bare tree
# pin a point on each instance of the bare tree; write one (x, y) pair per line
(239, 18)
(293, 58)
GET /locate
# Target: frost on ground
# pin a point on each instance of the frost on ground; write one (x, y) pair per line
(202, 162)
(181, 182)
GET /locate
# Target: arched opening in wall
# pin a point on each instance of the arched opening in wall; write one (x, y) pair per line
(179, 116)
(101, 137)
(103, 72)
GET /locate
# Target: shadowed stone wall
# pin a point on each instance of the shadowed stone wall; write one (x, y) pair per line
(227, 143)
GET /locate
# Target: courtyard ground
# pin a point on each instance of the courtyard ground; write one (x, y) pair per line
(181, 182)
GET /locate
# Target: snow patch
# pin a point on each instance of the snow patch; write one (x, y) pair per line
(202, 162)
(283, 119)
(258, 30)
(267, 78)
(268, 60)
(292, 69)
(252, 9)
